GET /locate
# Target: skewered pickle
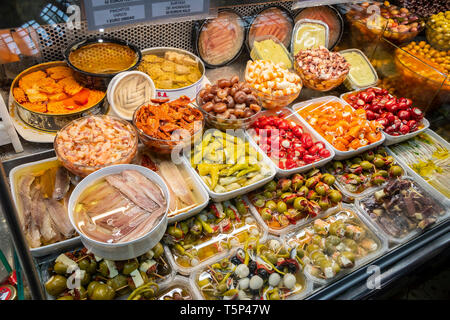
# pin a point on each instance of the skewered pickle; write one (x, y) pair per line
(268, 271)
(372, 168)
(222, 225)
(79, 275)
(334, 243)
(285, 201)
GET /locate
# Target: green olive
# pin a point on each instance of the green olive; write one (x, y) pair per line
(300, 203)
(317, 239)
(281, 207)
(86, 279)
(270, 186)
(382, 173)
(312, 195)
(271, 205)
(328, 179)
(377, 179)
(158, 250)
(266, 214)
(150, 293)
(381, 151)
(338, 166)
(102, 292)
(366, 165)
(92, 266)
(303, 190)
(300, 253)
(287, 197)
(222, 287)
(91, 287)
(335, 196)
(356, 160)
(84, 264)
(395, 171)
(268, 194)
(103, 268)
(379, 162)
(130, 266)
(368, 156)
(389, 160)
(324, 204)
(259, 203)
(321, 189)
(68, 297)
(60, 268)
(310, 182)
(272, 257)
(56, 285)
(118, 282)
(83, 293)
(337, 228)
(274, 295)
(175, 232)
(353, 178)
(311, 248)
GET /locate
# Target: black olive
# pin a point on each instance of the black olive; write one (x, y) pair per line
(262, 273)
(292, 268)
(252, 266)
(235, 260)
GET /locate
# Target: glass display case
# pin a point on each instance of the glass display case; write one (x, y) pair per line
(342, 150)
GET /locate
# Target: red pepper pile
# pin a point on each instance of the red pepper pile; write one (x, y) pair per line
(395, 114)
(285, 142)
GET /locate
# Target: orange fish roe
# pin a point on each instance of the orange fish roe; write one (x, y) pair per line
(346, 129)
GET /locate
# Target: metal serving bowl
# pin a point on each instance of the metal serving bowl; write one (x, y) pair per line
(54, 122)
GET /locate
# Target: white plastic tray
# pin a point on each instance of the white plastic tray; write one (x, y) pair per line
(382, 242)
(217, 238)
(317, 137)
(340, 155)
(364, 193)
(389, 139)
(299, 296)
(50, 248)
(178, 282)
(421, 181)
(44, 274)
(219, 197)
(412, 233)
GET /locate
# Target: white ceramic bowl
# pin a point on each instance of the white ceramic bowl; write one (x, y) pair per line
(116, 81)
(125, 250)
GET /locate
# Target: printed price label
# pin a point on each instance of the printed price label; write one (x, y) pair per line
(113, 13)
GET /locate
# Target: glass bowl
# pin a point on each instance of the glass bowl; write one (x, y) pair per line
(270, 101)
(163, 146)
(314, 82)
(84, 170)
(223, 123)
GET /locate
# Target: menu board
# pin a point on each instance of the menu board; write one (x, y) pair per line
(114, 13)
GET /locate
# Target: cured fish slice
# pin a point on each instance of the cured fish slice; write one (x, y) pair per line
(175, 180)
(149, 188)
(145, 226)
(24, 184)
(118, 216)
(132, 191)
(59, 216)
(272, 21)
(62, 183)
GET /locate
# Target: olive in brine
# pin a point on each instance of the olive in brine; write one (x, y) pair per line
(102, 292)
(56, 285)
(158, 250)
(60, 268)
(130, 266)
(103, 268)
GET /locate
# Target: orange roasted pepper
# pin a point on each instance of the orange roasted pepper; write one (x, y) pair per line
(346, 129)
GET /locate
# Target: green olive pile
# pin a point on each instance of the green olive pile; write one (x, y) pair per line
(329, 245)
(438, 30)
(370, 169)
(288, 200)
(79, 275)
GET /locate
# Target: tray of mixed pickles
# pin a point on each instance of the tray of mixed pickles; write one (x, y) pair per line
(221, 226)
(358, 176)
(402, 209)
(261, 271)
(178, 289)
(283, 204)
(80, 275)
(335, 244)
